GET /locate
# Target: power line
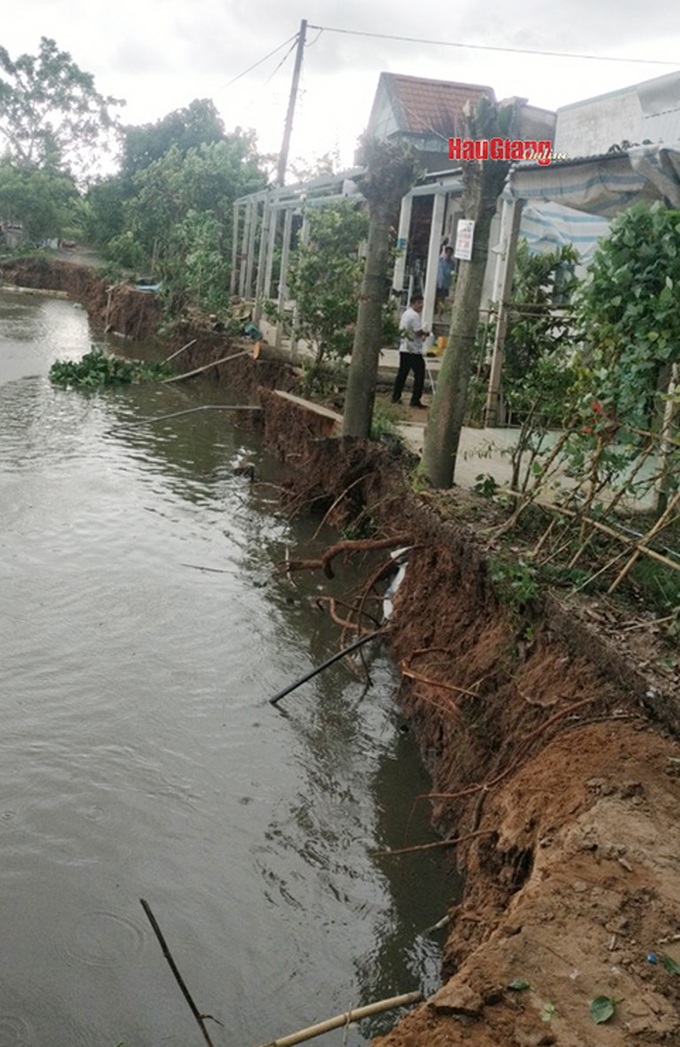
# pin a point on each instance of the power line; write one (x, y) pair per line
(260, 61)
(490, 47)
(284, 59)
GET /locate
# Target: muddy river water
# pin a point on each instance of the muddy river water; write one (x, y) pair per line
(142, 631)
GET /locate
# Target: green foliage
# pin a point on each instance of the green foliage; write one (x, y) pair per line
(514, 582)
(125, 252)
(51, 115)
(670, 964)
(485, 485)
(43, 201)
(184, 129)
(194, 270)
(97, 369)
(537, 369)
(325, 278)
(518, 985)
(628, 314)
(181, 215)
(602, 1008)
(384, 424)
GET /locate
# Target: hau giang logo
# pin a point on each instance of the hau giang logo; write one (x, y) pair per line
(503, 149)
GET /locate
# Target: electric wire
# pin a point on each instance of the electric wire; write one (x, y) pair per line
(260, 61)
(489, 47)
(284, 59)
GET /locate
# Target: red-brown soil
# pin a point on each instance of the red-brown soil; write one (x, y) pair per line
(551, 735)
(555, 762)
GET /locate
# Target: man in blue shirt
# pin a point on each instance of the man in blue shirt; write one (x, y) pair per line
(445, 271)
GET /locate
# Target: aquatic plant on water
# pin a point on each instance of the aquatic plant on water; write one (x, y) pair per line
(98, 368)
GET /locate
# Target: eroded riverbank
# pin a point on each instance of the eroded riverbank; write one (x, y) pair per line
(554, 763)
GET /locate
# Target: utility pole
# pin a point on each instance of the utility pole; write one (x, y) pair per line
(285, 145)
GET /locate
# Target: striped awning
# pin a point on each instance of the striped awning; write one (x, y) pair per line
(602, 185)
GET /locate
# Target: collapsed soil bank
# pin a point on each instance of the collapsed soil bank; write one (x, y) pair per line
(554, 761)
(557, 766)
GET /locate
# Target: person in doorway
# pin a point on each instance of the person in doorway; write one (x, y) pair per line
(411, 356)
(445, 270)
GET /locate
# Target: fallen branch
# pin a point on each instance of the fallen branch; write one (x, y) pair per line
(337, 502)
(355, 546)
(431, 846)
(173, 967)
(344, 1019)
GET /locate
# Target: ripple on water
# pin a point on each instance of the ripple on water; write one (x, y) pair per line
(15, 1031)
(102, 939)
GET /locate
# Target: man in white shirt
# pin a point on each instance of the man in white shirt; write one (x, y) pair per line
(411, 356)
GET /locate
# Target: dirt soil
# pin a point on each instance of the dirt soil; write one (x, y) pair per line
(551, 736)
(555, 764)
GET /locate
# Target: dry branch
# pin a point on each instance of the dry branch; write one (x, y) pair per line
(347, 548)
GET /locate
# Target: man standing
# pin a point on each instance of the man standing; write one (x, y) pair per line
(445, 271)
(411, 352)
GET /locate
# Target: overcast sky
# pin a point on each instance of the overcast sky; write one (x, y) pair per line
(159, 55)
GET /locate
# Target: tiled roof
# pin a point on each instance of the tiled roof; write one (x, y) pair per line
(424, 106)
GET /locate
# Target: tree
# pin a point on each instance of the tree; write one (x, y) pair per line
(483, 181)
(391, 170)
(189, 128)
(51, 115)
(325, 277)
(42, 201)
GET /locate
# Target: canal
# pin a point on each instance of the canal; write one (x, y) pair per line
(142, 629)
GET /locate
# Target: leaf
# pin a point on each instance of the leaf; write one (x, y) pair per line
(602, 1009)
(670, 964)
(548, 1011)
(518, 985)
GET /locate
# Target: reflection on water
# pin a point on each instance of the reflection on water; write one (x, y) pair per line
(142, 631)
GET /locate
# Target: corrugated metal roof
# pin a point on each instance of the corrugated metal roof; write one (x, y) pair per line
(426, 106)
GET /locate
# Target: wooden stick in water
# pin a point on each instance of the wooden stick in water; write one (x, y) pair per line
(344, 1019)
(173, 967)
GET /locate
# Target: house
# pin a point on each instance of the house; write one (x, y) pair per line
(425, 113)
(620, 148)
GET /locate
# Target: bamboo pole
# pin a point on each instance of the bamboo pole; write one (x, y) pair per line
(658, 526)
(344, 1019)
(192, 410)
(213, 363)
(178, 351)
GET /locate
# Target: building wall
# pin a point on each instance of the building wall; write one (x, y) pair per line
(590, 128)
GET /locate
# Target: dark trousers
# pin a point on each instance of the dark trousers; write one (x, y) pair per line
(410, 362)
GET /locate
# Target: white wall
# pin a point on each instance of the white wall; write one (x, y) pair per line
(589, 128)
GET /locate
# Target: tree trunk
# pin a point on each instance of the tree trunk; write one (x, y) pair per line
(363, 370)
(445, 422)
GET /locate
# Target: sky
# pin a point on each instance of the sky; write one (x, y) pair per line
(159, 55)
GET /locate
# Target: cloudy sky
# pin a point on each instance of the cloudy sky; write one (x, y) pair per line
(159, 55)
